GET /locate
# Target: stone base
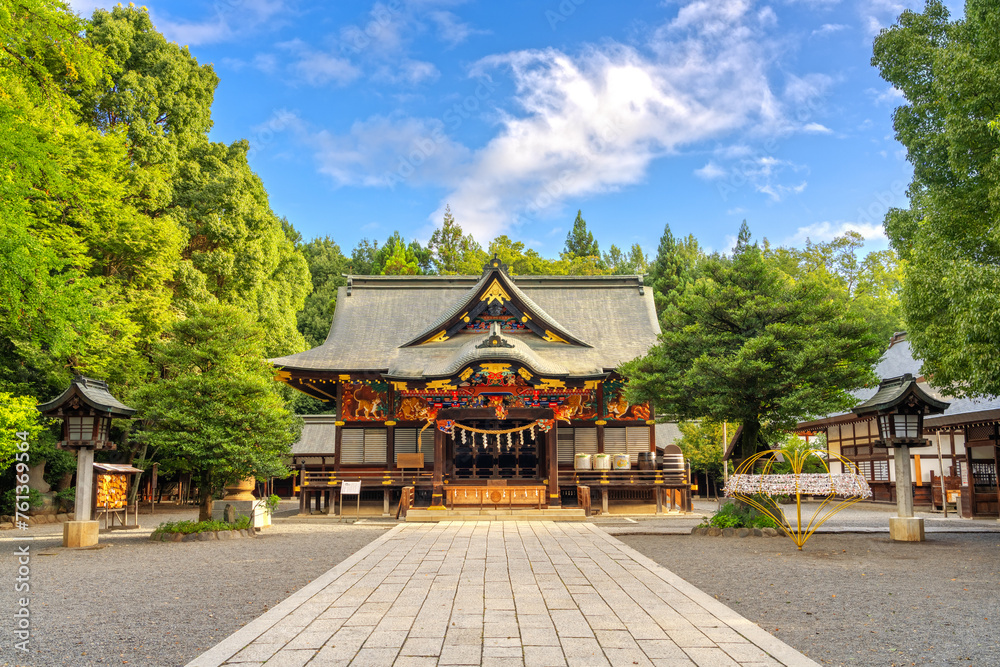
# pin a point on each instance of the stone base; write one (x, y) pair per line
(80, 534)
(906, 529)
(252, 508)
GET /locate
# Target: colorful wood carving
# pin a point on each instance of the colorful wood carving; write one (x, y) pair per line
(365, 401)
(617, 408)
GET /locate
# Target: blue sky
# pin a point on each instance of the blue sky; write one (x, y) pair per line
(364, 118)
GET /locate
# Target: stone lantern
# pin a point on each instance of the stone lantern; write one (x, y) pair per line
(86, 408)
(899, 407)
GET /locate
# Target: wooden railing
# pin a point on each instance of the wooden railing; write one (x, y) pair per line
(369, 478)
(619, 478)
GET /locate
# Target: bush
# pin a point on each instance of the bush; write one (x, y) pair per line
(731, 515)
(66, 498)
(9, 503)
(272, 503)
(188, 527)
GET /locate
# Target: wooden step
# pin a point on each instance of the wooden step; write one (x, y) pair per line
(427, 515)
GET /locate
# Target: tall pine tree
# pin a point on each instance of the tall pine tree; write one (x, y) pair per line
(579, 241)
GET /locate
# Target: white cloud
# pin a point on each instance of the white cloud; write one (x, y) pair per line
(227, 21)
(816, 128)
(821, 232)
(778, 192)
(407, 71)
(828, 29)
(710, 171)
(318, 68)
(452, 30)
(594, 122)
(890, 96)
(385, 151)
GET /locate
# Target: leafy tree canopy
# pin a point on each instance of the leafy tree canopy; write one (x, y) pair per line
(748, 344)
(217, 411)
(703, 445)
(17, 415)
(871, 284)
(949, 73)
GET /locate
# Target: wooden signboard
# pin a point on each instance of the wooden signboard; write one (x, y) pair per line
(410, 460)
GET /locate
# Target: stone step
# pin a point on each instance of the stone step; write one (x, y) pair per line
(426, 515)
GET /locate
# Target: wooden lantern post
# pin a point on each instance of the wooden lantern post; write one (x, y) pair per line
(899, 407)
(86, 408)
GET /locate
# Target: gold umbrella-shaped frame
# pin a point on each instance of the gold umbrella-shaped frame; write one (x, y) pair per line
(839, 490)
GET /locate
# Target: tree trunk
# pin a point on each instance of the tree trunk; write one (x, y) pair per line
(133, 492)
(205, 506)
(748, 441)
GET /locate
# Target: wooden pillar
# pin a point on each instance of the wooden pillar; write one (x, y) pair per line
(337, 439)
(385, 501)
(552, 465)
(437, 494)
(600, 438)
(302, 488)
(390, 445)
(604, 500)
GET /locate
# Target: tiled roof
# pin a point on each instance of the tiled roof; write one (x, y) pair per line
(94, 393)
(319, 435)
(377, 315)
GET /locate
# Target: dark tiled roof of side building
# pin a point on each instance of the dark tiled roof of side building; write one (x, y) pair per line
(898, 360)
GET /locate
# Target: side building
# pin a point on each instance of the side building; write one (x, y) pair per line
(964, 445)
(451, 383)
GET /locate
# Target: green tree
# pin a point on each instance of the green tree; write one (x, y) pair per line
(579, 241)
(216, 412)
(17, 415)
(401, 261)
(703, 446)
(872, 285)
(75, 253)
(949, 74)
(745, 343)
(238, 250)
(674, 267)
(619, 263)
(327, 265)
(453, 252)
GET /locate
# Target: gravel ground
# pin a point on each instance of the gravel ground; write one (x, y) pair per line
(853, 599)
(137, 602)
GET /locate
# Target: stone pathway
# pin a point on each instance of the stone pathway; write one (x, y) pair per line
(524, 593)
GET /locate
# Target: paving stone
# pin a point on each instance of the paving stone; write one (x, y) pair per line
(422, 646)
(290, 658)
(710, 657)
(461, 655)
(256, 653)
(503, 593)
(375, 657)
(543, 656)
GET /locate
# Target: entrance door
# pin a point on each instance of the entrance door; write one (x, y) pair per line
(493, 456)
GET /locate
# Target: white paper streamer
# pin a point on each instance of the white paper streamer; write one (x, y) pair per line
(819, 484)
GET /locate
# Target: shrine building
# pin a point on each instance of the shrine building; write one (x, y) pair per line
(466, 390)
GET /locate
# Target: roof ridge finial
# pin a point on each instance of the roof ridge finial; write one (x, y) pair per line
(495, 264)
(494, 339)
